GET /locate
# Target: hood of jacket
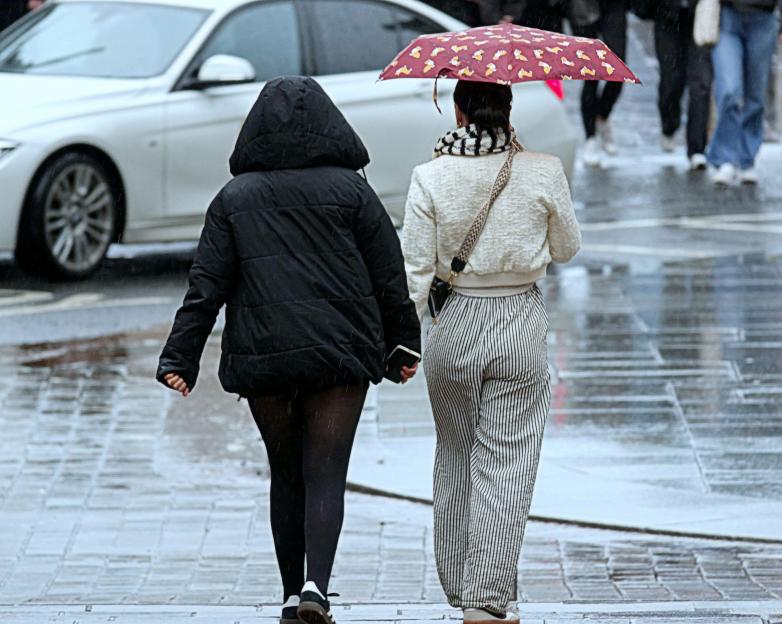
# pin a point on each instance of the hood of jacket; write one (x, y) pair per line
(294, 125)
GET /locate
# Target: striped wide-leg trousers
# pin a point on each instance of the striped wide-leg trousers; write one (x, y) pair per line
(487, 372)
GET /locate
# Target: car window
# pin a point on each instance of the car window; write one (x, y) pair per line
(361, 35)
(265, 34)
(412, 25)
(99, 39)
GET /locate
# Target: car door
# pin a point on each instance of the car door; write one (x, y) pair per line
(353, 40)
(202, 125)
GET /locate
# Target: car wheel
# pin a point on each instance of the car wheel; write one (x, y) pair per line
(70, 218)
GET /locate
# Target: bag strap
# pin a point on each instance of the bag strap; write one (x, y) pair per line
(474, 233)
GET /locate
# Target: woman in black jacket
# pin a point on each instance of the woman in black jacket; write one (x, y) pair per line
(300, 250)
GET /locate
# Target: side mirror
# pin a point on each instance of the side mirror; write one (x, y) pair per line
(220, 70)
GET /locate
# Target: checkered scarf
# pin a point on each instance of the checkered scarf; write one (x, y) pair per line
(465, 142)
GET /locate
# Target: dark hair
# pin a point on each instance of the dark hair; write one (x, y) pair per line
(486, 104)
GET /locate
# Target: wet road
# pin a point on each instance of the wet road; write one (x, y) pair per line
(137, 288)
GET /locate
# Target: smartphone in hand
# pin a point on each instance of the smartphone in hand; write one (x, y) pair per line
(399, 358)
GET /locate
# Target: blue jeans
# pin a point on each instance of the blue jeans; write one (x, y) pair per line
(742, 63)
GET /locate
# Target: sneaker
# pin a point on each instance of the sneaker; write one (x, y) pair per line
(481, 616)
(668, 143)
(606, 136)
(289, 610)
(314, 608)
(698, 162)
(749, 176)
(591, 155)
(725, 175)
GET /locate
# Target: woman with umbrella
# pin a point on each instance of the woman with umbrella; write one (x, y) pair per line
(483, 220)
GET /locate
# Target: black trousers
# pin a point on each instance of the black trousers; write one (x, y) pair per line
(541, 14)
(308, 436)
(597, 102)
(683, 64)
(463, 10)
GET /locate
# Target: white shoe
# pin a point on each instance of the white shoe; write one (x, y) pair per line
(606, 135)
(725, 175)
(698, 162)
(591, 154)
(479, 616)
(668, 143)
(314, 607)
(309, 586)
(749, 176)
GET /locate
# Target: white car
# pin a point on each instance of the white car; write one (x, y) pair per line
(117, 117)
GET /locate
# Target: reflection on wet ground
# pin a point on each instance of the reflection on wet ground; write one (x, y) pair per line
(680, 368)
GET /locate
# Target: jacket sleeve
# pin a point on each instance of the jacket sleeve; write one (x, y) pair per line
(210, 281)
(379, 245)
(419, 243)
(564, 234)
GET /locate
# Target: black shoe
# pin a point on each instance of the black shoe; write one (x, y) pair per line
(289, 616)
(314, 610)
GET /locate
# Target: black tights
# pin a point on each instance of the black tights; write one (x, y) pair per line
(308, 438)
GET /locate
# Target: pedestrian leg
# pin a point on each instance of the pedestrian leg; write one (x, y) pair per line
(728, 61)
(613, 27)
(282, 433)
(671, 57)
(760, 44)
(514, 407)
(699, 81)
(330, 420)
(542, 15)
(589, 98)
(452, 363)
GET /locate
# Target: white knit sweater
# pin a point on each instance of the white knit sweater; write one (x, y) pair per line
(531, 223)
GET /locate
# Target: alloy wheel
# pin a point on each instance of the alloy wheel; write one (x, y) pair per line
(79, 213)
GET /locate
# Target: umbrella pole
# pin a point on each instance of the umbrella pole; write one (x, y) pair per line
(434, 95)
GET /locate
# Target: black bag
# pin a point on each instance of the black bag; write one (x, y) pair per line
(441, 289)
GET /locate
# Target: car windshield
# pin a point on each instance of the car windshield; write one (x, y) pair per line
(99, 39)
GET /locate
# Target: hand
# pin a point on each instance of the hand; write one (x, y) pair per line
(408, 373)
(506, 19)
(175, 382)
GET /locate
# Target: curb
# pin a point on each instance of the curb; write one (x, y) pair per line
(370, 491)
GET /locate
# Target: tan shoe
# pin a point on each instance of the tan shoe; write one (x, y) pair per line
(479, 616)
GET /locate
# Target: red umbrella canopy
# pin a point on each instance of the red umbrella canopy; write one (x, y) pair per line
(506, 54)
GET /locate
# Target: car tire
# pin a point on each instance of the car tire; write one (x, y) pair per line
(70, 218)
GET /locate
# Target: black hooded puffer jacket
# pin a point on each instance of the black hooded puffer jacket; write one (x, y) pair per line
(303, 254)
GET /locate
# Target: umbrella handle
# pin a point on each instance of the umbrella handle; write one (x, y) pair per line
(434, 95)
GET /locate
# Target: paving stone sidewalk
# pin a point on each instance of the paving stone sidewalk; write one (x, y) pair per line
(114, 491)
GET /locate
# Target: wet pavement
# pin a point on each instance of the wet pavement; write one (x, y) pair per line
(115, 492)
(121, 502)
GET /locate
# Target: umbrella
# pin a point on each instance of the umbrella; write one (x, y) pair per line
(506, 54)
